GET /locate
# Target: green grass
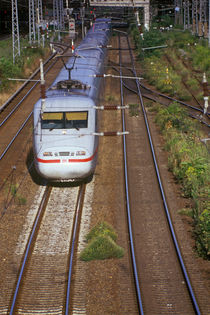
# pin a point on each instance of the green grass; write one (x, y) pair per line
(101, 244)
(201, 58)
(6, 48)
(110, 98)
(102, 229)
(134, 110)
(190, 164)
(192, 51)
(13, 189)
(23, 62)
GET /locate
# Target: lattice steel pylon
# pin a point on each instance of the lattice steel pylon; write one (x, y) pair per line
(39, 10)
(204, 17)
(61, 13)
(56, 14)
(32, 27)
(201, 17)
(186, 8)
(178, 11)
(39, 17)
(15, 31)
(195, 16)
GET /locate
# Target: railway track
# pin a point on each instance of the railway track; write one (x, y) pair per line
(196, 112)
(161, 280)
(16, 129)
(45, 282)
(17, 111)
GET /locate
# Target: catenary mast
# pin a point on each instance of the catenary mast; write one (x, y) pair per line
(32, 28)
(15, 31)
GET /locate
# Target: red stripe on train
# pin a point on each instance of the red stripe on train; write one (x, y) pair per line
(68, 160)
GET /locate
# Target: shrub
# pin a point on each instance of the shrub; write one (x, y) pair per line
(102, 229)
(201, 58)
(134, 110)
(202, 232)
(102, 247)
(27, 59)
(101, 244)
(193, 84)
(189, 162)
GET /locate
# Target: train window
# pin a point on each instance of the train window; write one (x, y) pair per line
(76, 120)
(63, 120)
(52, 121)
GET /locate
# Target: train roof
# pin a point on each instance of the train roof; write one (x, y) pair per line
(86, 62)
(61, 102)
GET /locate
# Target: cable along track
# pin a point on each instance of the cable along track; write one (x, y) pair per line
(162, 282)
(45, 278)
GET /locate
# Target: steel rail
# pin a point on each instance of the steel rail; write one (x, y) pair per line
(23, 86)
(167, 97)
(160, 94)
(20, 102)
(172, 99)
(158, 101)
(139, 299)
(23, 125)
(15, 136)
(75, 230)
(31, 238)
(189, 286)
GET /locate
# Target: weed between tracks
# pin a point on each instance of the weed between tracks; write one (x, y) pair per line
(134, 110)
(13, 191)
(101, 244)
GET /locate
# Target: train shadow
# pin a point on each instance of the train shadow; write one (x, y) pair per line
(37, 179)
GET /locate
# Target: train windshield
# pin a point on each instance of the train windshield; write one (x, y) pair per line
(64, 120)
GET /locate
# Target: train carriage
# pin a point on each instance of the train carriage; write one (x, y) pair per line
(65, 147)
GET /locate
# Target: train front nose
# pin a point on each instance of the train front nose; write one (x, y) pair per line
(65, 164)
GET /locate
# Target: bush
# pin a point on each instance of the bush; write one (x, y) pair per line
(102, 247)
(26, 60)
(202, 232)
(201, 58)
(102, 229)
(101, 244)
(189, 162)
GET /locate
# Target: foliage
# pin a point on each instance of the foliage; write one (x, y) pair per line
(134, 110)
(102, 247)
(181, 39)
(101, 244)
(201, 58)
(165, 21)
(17, 70)
(13, 189)
(202, 232)
(151, 38)
(102, 229)
(157, 70)
(189, 162)
(164, 78)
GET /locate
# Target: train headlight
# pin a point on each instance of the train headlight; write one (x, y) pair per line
(80, 153)
(47, 154)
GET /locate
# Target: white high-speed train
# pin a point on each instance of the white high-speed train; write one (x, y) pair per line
(65, 147)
